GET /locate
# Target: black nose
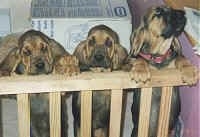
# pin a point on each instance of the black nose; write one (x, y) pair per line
(180, 13)
(40, 65)
(99, 57)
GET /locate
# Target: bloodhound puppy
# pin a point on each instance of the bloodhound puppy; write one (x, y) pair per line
(154, 44)
(101, 51)
(34, 53)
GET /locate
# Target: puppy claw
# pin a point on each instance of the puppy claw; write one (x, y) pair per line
(140, 76)
(140, 71)
(190, 75)
(67, 65)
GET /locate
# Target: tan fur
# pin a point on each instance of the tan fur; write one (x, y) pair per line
(28, 50)
(116, 52)
(9, 54)
(97, 38)
(158, 45)
(154, 37)
(67, 65)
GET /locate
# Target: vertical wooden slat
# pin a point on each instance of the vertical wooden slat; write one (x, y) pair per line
(1, 120)
(86, 113)
(55, 114)
(23, 103)
(115, 113)
(165, 106)
(145, 108)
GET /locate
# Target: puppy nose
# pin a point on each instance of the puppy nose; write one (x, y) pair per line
(40, 65)
(99, 57)
(179, 13)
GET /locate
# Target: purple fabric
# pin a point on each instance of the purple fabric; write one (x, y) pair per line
(190, 96)
(138, 8)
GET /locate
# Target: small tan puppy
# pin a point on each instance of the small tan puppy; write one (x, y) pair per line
(101, 51)
(34, 53)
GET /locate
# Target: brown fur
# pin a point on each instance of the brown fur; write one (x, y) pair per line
(67, 65)
(152, 37)
(9, 54)
(33, 53)
(115, 53)
(101, 51)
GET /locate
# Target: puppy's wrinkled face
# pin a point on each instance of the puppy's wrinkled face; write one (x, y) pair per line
(36, 55)
(100, 49)
(164, 21)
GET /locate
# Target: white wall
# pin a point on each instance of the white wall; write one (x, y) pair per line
(20, 13)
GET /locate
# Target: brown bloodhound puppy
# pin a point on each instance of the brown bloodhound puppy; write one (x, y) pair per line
(155, 45)
(100, 51)
(34, 53)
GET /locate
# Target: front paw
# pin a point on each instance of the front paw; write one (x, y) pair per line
(71, 70)
(67, 65)
(190, 74)
(140, 74)
(140, 71)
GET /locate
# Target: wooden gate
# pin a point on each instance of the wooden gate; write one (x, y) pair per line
(22, 86)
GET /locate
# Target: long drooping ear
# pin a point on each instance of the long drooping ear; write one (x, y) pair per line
(81, 53)
(177, 46)
(137, 40)
(119, 57)
(55, 49)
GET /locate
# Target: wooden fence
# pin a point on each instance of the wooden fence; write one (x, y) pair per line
(86, 83)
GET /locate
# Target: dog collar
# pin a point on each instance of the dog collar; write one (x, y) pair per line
(156, 59)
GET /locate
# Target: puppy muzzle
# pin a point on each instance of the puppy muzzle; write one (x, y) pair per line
(100, 58)
(40, 66)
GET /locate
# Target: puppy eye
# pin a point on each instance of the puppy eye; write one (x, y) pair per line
(27, 52)
(108, 42)
(44, 49)
(158, 11)
(92, 41)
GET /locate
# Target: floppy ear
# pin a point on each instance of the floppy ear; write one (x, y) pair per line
(81, 53)
(177, 46)
(137, 40)
(145, 21)
(50, 56)
(56, 49)
(119, 56)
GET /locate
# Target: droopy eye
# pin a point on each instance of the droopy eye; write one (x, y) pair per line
(27, 52)
(108, 42)
(158, 11)
(92, 41)
(43, 47)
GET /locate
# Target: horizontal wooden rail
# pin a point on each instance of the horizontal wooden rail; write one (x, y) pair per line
(86, 81)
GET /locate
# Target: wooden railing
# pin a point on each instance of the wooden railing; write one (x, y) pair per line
(86, 83)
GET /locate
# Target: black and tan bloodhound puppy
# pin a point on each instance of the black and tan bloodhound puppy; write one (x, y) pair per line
(101, 51)
(34, 53)
(154, 44)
